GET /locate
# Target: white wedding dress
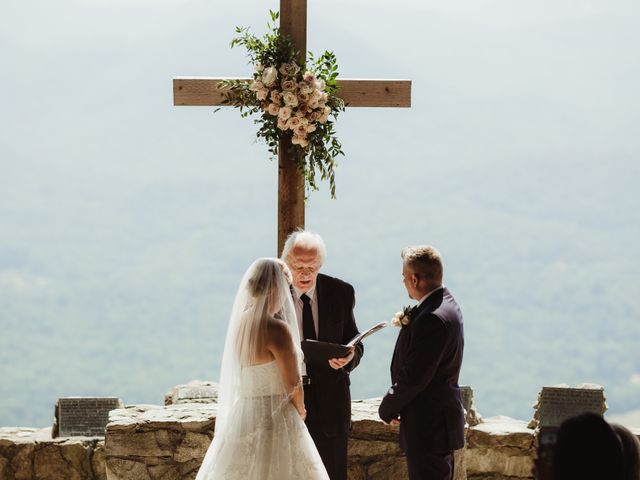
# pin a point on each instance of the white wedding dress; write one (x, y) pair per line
(267, 439)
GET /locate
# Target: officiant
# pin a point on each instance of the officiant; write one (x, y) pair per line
(324, 307)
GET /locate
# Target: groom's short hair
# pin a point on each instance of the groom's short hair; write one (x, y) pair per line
(426, 261)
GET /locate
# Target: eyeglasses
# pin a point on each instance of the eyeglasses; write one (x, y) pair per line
(310, 269)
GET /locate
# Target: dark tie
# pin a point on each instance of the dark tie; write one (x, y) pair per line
(308, 330)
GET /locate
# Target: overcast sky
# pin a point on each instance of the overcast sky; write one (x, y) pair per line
(519, 158)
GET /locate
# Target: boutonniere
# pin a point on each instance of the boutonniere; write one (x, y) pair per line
(403, 318)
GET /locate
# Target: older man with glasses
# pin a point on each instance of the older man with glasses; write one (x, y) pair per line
(324, 307)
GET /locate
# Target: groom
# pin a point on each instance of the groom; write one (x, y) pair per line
(324, 307)
(424, 398)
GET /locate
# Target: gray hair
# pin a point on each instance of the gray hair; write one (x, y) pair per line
(426, 261)
(307, 241)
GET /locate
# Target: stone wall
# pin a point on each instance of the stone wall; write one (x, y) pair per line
(28, 453)
(147, 442)
(168, 442)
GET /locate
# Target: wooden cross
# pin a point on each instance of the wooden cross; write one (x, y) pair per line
(355, 93)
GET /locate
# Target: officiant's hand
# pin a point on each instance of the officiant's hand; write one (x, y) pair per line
(338, 363)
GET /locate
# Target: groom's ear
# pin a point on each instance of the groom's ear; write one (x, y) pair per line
(415, 279)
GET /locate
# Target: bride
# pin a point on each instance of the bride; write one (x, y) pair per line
(260, 432)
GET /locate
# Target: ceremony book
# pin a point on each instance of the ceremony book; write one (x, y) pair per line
(320, 352)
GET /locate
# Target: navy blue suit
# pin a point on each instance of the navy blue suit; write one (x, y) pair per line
(424, 393)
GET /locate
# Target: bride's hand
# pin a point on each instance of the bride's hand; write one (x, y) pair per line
(303, 413)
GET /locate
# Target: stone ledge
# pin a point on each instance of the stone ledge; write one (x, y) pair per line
(29, 453)
(169, 442)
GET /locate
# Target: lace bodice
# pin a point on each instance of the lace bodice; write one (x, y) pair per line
(261, 380)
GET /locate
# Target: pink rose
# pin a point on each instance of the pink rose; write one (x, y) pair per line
(293, 122)
(276, 96)
(289, 69)
(262, 94)
(273, 109)
(282, 124)
(285, 113)
(300, 130)
(289, 85)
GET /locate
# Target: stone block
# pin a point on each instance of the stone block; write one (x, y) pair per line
(196, 391)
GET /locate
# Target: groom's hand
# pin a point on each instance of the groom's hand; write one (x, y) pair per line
(338, 363)
(395, 422)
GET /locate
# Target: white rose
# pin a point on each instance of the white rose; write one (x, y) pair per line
(309, 77)
(269, 76)
(319, 84)
(297, 140)
(323, 118)
(256, 85)
(304, 97)
(273, 109)
(305, 88)
(310, 128)
(262, 94)
(315, 96)
(290, 99)
(285, 113)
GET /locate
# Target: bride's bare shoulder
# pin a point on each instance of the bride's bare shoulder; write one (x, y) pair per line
(278, 334)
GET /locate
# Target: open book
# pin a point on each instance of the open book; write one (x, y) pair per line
(320, 352)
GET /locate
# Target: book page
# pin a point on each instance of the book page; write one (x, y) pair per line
(361, 336)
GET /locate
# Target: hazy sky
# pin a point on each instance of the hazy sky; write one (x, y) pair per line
(125, 222)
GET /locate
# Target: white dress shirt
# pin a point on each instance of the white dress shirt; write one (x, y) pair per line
(314, 311)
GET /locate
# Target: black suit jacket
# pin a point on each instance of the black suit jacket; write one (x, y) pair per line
(330, 409)
(424, 374)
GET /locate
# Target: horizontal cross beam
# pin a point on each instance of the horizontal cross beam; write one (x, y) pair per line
(200, 91)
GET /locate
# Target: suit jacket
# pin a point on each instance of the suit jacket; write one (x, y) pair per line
(424, 374)
(331, 406)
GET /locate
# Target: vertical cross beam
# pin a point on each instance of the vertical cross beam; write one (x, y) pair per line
(293, 23)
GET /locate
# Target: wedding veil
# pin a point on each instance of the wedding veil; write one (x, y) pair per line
(265, 283)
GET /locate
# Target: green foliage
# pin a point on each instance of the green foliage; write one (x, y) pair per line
(314, 145)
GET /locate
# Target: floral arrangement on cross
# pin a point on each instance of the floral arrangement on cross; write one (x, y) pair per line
(291, 100)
